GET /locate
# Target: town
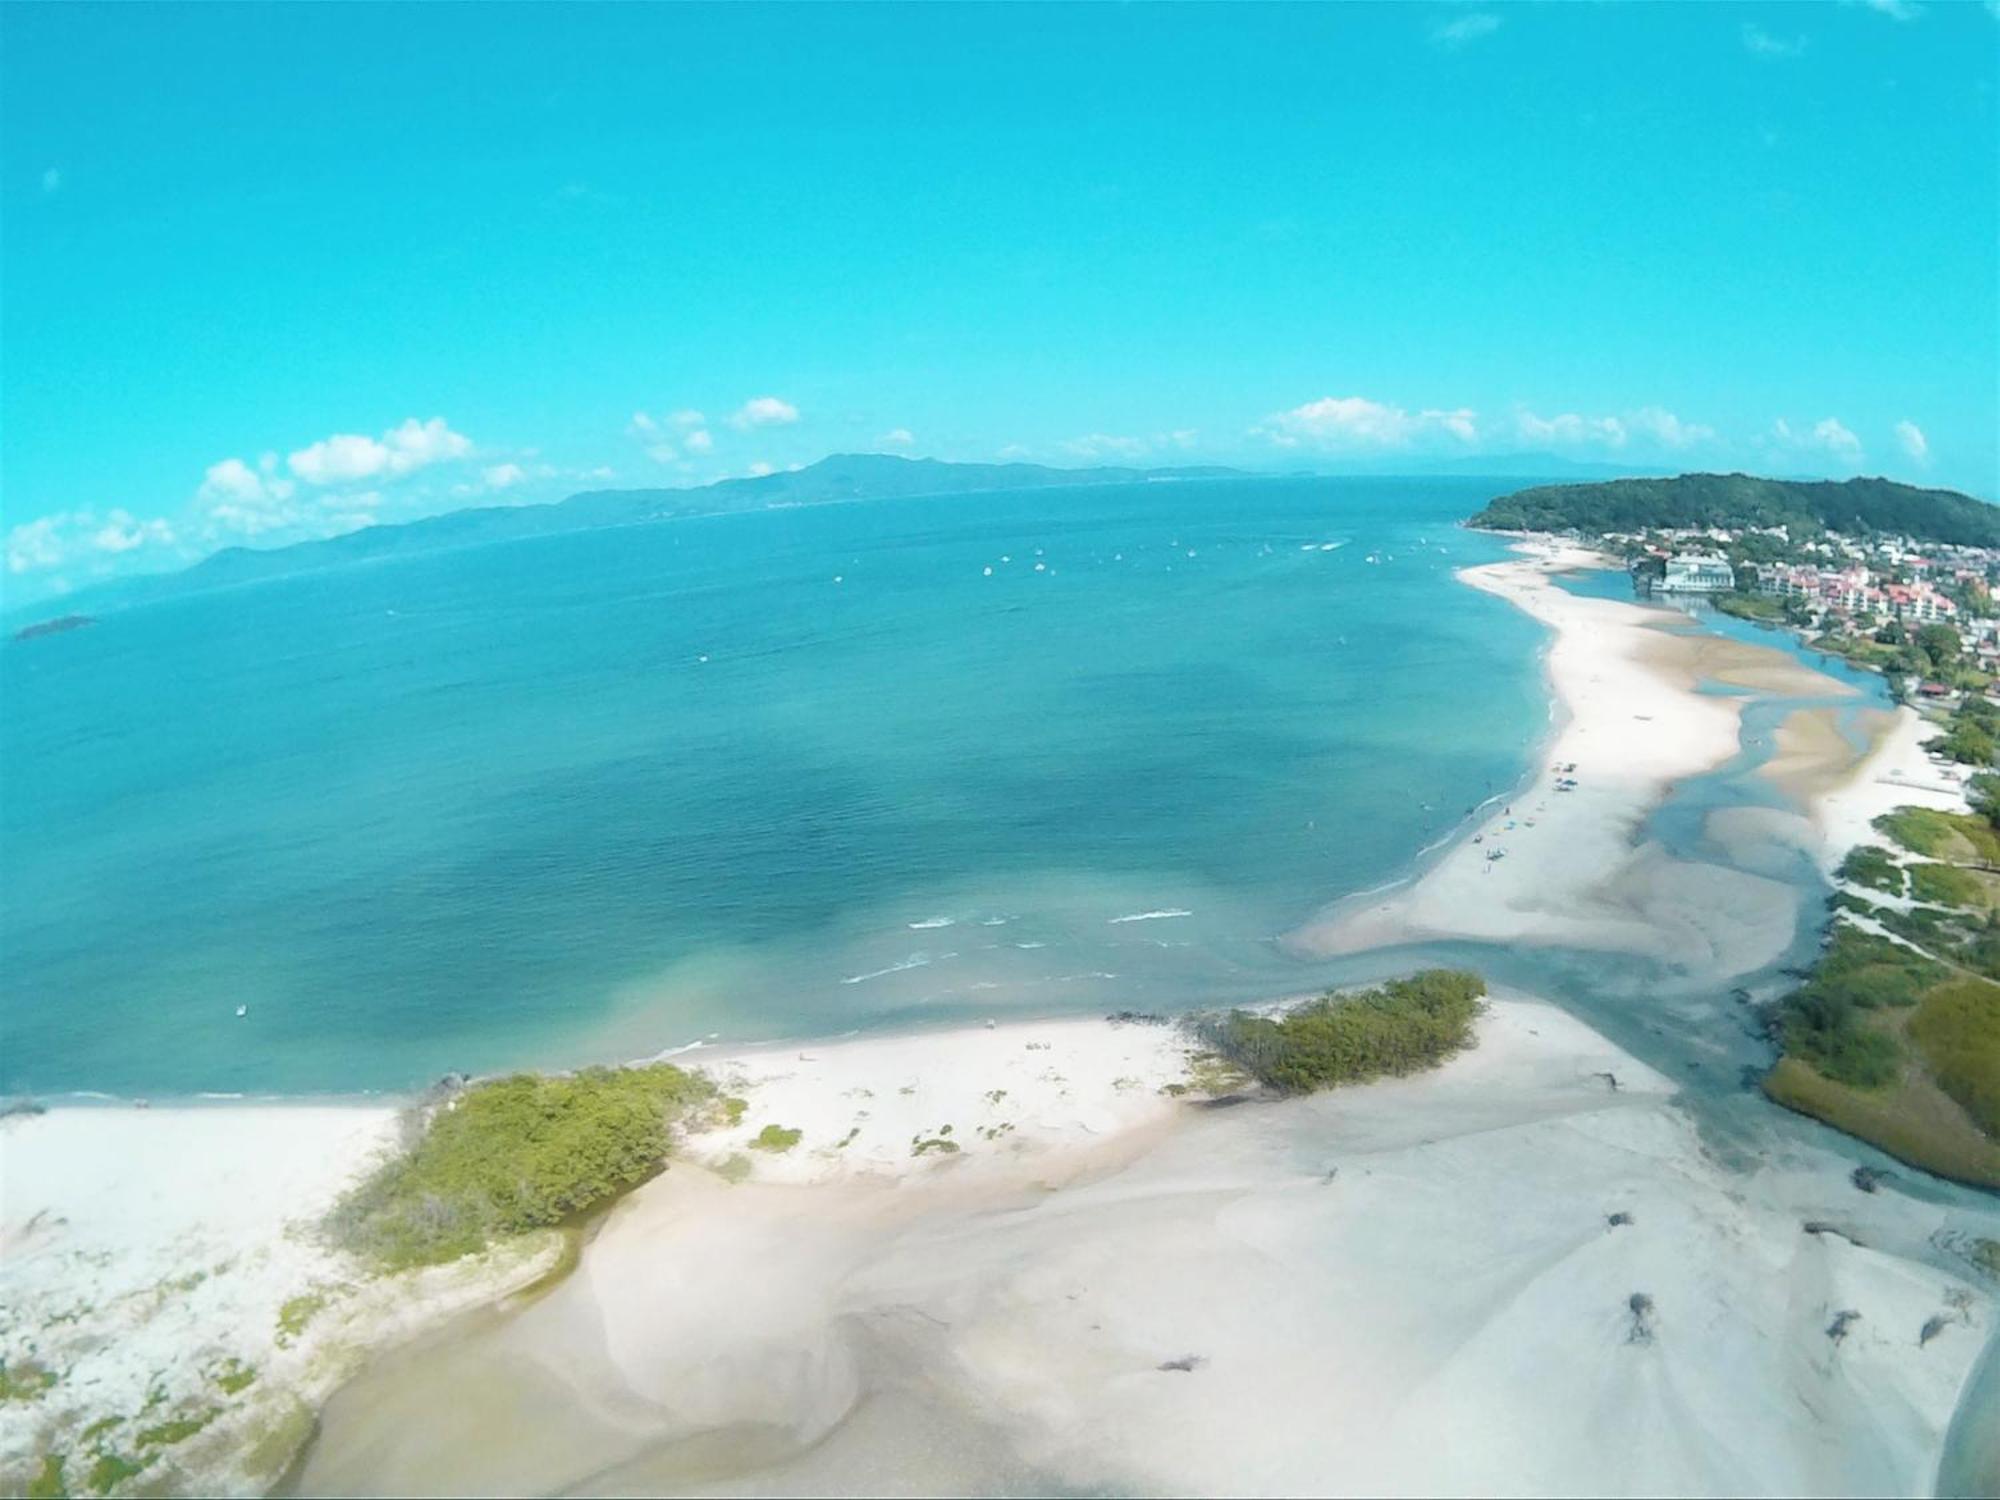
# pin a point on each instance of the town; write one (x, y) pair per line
(1921, 613)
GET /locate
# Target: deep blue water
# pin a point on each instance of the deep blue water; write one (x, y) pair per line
(778, 774)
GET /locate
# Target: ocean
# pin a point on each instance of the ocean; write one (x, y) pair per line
(791, 773)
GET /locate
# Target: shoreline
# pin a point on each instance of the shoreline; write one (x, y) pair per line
(1572, 866)
(962, 1199)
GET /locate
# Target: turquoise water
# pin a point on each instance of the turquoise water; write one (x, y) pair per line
(781, 774)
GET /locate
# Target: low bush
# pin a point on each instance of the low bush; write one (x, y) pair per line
(1947, 885)
(1870, 865)
(1403, 1027)
(1957, 1029)
(512, 1155)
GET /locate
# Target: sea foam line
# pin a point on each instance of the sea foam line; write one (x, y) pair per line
(914, 961)
(1153, 916)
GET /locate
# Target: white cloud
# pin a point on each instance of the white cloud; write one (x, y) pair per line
(1828, 436)
(1355, 422)
(1667, 429)
(1895, 10)
(124, 532)
(234, 482)
(346, 456)
(1915, 444)
(1837, 440)
(898, 437)
(1183, 437)
(764, 411)
(500, 476)
(1761, 43)
(82, 536)
(663, 453)
(699, 441)
(52, 180)
(643, 423)
(688, 417)
(1465, 30)
(759, 469)
(1104, 444)
(1569, 430)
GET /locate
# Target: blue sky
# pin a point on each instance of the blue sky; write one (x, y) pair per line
(276, 272)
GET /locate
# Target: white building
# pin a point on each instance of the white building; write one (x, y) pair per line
(1698, 573)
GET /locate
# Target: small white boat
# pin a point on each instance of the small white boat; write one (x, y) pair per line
(241, 1011)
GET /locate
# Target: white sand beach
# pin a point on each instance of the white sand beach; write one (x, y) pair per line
(159, 1264)
(1568, 867)
(1896, 773)
(1415, 1287)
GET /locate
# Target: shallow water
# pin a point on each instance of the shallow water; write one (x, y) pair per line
(798, 772)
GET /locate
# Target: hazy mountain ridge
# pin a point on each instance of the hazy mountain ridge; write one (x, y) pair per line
(841, 478)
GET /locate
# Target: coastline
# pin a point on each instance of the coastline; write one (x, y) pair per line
(1573, 870)
(1014, 1234)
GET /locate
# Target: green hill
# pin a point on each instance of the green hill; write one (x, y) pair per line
(1854, 507)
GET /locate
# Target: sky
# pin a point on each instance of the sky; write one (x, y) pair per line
(269, 273)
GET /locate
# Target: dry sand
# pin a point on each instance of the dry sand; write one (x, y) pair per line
(1414, 1288)
(1573, 869)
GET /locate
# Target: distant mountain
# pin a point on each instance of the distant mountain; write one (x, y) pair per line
(842, 477)
(1853, 507)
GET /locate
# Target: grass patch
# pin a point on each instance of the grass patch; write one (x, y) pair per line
(179, 1430)
(734, 1169)
(112, 1470)
(295, 1313)
(941, 1143)
(233, 1376)
(1942, 835)
(1405, 1026)
(1822, 1021)
(24, 1380)
(775, 1138)
(48, 1481)
(516, 1154)
(1914, 1122)
(1957, 1032)
(1872, 866)
(732, 1109)
(1948, 885)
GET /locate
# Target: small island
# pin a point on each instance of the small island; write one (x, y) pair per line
(56, 626)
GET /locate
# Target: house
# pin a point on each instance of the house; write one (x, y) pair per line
(1698, 573)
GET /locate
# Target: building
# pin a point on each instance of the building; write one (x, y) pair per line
(1698, 573)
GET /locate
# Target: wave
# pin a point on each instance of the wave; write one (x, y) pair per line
(914, 961)
(929, 922)
(1153, 916)
(1031, 945)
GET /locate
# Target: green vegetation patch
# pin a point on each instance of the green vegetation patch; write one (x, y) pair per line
(24, 1380)
(516, 1154)
(1948, 885)
(1957, 1031)
(1942, 835)
(297, 1312)
(48, 1481)
(1873, 866)
(1405, 1026)
(179, 1430)
(112, 1470)
(1823, 1021)
(232, 1376)
(775, 1138)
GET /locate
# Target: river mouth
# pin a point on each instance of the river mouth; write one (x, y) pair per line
(865, 1420)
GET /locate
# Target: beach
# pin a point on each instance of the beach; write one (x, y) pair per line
(1070, 1254)
(1563, 861)
(1511, 1274)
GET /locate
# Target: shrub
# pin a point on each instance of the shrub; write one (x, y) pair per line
(1957, 1028)
(1403, 1027)
(1870, 865)
(775, 1138)
(512, 1155)
(1946, 885)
